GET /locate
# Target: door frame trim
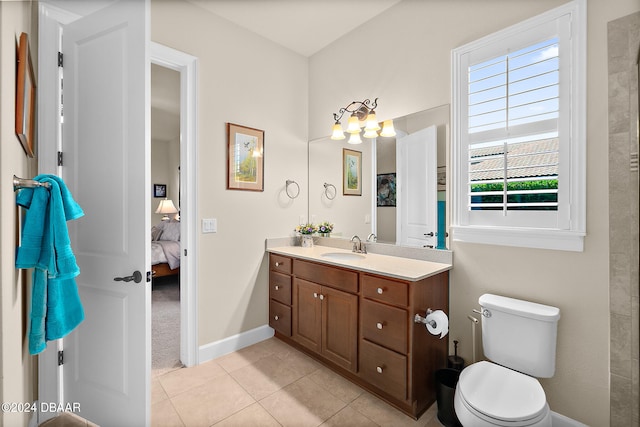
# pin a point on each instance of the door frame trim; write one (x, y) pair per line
(187, 66)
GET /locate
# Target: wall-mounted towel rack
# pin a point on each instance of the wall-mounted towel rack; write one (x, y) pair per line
(19, 183)
(288, 183)
(327, 192)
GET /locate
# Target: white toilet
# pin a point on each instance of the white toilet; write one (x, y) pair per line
(519, 337)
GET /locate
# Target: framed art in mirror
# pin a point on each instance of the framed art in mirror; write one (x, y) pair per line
(245, 158)
(351, 172)
(25, 97)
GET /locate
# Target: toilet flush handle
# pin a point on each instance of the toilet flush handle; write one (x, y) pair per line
(486, 313)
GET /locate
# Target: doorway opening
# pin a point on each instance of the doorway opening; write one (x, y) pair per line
(165, 220)
(174, 75)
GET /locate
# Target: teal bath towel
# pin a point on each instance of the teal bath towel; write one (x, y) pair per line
(55, 304)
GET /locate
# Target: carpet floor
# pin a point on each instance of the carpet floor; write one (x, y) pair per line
(165, 329)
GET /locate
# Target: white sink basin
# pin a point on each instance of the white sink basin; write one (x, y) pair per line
(343, 256)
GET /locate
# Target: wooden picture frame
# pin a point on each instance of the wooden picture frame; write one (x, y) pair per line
(25, 98)
(245, 158)
(160, 190)
(351, 172)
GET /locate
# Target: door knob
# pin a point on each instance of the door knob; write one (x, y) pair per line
(136, 277)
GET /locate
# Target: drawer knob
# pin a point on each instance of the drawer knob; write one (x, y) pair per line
(276, 317)
(380, 291)
(278, 264)
(379, 325)
(379, 369)
(276, 287)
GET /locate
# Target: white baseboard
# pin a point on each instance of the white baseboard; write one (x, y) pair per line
(233, 343)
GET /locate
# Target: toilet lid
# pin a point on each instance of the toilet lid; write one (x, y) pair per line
(501, 393)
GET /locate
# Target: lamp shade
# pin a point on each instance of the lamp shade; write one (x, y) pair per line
(337, 132)
(354, 124)
(388, 129)
(372, 124)
(354, 139)
(370, 133)
(166, 207)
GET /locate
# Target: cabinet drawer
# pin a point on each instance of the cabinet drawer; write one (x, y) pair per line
(385, 290)
(280, 263)
(384, 325)
(384, 368)
(280, 317)
(280, 287)
(326, 275)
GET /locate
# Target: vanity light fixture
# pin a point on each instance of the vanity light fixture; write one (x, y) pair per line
(361, 111)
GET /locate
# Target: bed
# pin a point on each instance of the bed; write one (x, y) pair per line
(165, 249)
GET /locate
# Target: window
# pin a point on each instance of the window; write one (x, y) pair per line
(519, 134)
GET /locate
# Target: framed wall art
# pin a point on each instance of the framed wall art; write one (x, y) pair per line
(386, 189)
(159, 190)
(245, 158)
(25, 98)
(351, 172)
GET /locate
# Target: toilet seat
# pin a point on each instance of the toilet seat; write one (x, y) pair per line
(501, 396)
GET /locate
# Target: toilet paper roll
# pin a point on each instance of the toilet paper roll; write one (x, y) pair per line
(441, 326)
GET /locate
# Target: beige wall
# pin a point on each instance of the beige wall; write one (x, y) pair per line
(17, 367)
(410, 71)
(247, 80)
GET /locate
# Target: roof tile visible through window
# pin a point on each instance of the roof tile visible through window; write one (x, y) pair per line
(526, 160)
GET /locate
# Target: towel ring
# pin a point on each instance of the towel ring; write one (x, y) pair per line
(327, 192)
(289, 182)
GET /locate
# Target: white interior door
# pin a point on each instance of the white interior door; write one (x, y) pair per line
(106, 148)
(416, 197)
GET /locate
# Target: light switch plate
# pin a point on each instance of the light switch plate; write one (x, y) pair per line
(210, 225)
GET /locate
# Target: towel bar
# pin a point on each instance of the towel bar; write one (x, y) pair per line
(19, 183)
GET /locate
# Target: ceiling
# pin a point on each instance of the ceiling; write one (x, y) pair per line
(304, 26)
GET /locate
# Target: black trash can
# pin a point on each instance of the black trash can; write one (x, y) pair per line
(446, 380)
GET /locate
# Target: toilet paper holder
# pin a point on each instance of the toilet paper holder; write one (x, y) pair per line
(419, 319)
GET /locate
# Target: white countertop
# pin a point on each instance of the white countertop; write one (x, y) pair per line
(385, 265)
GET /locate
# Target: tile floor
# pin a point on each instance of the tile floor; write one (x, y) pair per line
(269, 384)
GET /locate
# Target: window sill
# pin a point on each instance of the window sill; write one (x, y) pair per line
(560, 240)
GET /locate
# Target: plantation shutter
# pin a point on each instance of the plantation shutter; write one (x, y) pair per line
(519, 133)
(512, 124)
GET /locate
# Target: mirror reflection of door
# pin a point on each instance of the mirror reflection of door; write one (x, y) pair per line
(417, 216)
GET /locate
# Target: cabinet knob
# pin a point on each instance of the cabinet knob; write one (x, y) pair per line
(276, 317)
(380, 291)
(276, 287)
(315, 295)
(379, 369)
(321, 297)
(379, 325)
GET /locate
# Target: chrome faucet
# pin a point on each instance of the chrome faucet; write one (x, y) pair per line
(372, 238)
(358, 247)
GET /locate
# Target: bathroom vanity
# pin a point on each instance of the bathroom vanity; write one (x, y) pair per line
(355, 314)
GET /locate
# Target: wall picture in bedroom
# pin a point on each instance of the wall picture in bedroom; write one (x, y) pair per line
(159, 190)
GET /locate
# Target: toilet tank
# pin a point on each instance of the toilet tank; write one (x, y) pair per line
(520, 335)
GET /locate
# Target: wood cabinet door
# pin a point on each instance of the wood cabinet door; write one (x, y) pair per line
(339, 327)
(307, 314)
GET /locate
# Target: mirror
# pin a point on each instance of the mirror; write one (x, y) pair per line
(361, 214)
